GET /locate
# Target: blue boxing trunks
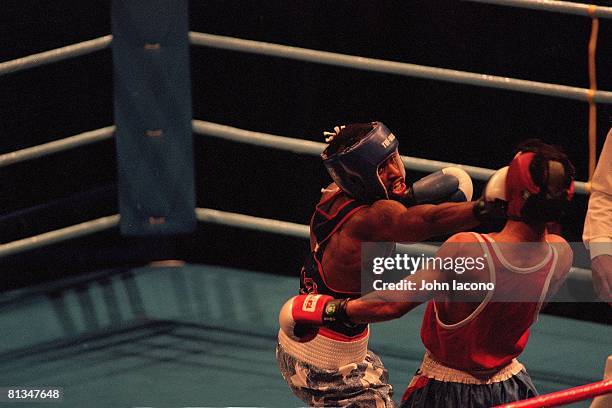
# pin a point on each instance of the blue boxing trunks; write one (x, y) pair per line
(438, 386)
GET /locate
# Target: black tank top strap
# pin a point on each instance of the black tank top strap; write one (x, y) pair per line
(324, 225)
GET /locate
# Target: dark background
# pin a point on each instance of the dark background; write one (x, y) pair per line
(434, 120)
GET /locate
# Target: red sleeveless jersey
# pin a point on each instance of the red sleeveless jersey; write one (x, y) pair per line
(495, 332)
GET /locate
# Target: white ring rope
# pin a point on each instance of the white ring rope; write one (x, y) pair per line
(214, 217)
(399, 68)
(324, 57)
(302, 231)
(252, 223)
(57, 54)
(315, 148)
(241, 136)
(63, 234)
(257, 138)
(565, 7)
(57, 146)
(101, 43)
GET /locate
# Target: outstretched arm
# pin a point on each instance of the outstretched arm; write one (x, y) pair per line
(382, 305)
(311, 311)
(387, 220)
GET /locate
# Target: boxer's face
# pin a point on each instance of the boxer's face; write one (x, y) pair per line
(393, 175)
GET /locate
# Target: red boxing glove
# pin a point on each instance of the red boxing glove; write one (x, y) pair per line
(302, 315)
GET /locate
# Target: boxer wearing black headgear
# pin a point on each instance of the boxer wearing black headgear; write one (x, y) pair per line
(333, 366)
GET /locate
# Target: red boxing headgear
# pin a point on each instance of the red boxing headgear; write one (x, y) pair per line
(520, 186)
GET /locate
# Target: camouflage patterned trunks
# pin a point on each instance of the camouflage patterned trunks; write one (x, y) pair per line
(356, 385)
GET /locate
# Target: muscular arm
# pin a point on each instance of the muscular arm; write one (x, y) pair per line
(387, 220)
(385, 305)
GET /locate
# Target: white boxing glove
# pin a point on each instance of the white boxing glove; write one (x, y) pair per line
(492, 204)
(465, 181)
(496, 186)
(450, 184)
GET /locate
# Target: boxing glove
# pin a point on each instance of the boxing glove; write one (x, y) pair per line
(302, 315)
(450, 184)
(492, 204)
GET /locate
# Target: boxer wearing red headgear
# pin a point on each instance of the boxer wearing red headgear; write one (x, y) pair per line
(524, 195)
(367, 202)
(472, 343)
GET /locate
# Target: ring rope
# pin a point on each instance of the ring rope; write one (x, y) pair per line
(59, 235)
(252, 223)
(315, 148)
(565, 7)
(57, 146)
(393, 67)
(324, 57)
(563, 397)
(302, 231)
(214, 217)
(241, 136)
(257, 138)
(57, 54)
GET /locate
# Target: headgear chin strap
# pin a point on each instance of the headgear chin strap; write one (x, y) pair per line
(355, 169)
(529, 202)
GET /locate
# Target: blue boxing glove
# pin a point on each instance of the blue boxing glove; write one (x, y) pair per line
(450, 184)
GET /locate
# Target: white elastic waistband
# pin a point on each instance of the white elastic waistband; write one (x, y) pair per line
(326, 353)
(431, 368)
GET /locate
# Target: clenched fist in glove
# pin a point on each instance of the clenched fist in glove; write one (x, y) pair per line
(302, 315)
